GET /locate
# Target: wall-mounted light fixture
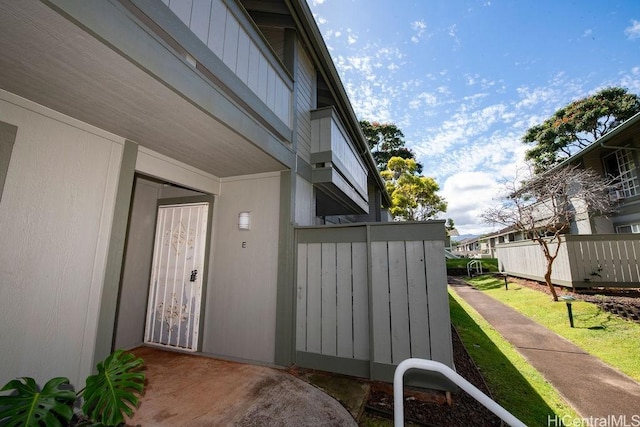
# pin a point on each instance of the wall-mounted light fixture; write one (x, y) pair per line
(244, 221)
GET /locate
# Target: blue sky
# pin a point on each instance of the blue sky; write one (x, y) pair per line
(465, 79)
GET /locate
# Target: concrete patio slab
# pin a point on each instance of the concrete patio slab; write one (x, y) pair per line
(191, 390)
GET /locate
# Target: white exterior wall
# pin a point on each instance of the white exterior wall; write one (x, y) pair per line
(240, 313)
(55, 222)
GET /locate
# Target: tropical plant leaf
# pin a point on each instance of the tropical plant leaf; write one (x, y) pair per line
(111, 392)
(28, 406)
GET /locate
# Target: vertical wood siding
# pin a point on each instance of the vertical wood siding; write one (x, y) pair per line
(371, 295)
(305, 77)
(583, 261)
(332, 315)
(217, 27)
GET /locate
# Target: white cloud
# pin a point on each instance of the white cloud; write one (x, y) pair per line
(465, 124)
(633, 31)
(453, 33)
(629, 80)
(533, 98)
(468, 195)
(452, 30)
(419, 27)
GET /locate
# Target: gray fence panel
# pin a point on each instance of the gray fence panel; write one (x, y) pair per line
(438, 302)
(328, 293)
(583, 261)
(301, 298)
(418, 306)
(398, 303)
(360, 301)
(380, 302)
(344, 300)
(314, 298)
(370, 296)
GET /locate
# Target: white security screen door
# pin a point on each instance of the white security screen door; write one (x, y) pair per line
(173, 313)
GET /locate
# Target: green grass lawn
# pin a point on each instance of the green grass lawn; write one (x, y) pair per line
(515, 384)
(608, 337)
(488, 264)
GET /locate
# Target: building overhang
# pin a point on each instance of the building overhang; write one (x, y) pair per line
(95, 62)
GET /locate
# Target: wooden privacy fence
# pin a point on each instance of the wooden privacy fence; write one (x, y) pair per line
(603, 260)
(370, 296)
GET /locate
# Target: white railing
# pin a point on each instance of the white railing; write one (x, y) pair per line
(328, 135)
(474, 264)
(432, 366)
(338, 169)
(228, 37)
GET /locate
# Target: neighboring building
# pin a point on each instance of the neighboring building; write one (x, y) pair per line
(596, 250)
(224, 119)
(615, 155)
(484, 246)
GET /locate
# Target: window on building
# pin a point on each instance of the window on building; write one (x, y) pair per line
(629, 228)
(621, 166)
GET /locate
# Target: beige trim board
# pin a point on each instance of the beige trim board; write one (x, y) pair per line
(250, 177)
(165, 168)
(34, 107)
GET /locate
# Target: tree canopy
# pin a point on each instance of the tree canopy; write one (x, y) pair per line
(544, 207)
(577, 125)
(413, 196)
(385, 141)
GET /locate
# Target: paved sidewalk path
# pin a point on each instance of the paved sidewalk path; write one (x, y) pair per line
(591, 387)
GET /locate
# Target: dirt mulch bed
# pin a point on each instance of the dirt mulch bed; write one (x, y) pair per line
(623, 302)
(437, 408)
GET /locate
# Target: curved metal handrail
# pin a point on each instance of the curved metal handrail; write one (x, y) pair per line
(433, 366)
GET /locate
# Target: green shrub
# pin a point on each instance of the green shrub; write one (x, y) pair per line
(488, 264)
(108, 395)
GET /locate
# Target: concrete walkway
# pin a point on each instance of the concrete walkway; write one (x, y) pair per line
(591, 387)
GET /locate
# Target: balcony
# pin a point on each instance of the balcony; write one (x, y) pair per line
(338, 171)
(221, 42)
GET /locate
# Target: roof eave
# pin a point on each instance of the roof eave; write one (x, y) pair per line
(600, 141)
(313, 37)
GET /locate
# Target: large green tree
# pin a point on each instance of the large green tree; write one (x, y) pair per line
(577, 125)
(413, 196)
(385, 141)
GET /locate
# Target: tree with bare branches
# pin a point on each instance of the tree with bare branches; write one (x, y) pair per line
(544, 207)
